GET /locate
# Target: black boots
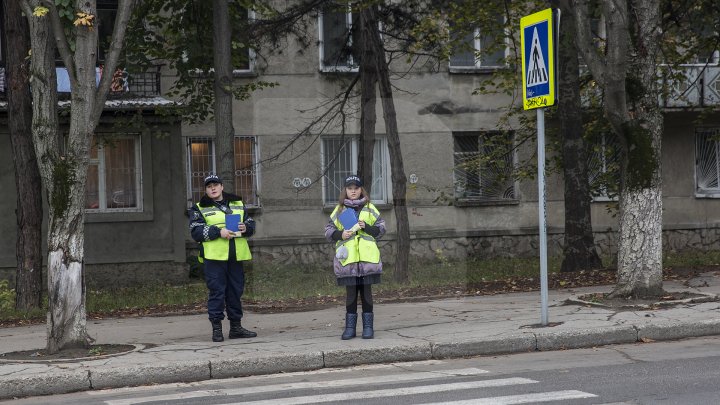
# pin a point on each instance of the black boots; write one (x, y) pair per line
(238, 332)
(217, 335)
(350, 322)
(367, 318)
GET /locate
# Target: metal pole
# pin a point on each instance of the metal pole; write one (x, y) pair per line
(541, 217)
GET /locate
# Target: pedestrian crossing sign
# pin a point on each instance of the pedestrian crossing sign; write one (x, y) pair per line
(538, 59)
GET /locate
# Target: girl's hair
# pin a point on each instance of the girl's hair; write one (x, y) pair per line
(343, 195)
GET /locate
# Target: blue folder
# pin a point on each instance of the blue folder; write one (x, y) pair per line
(232, 222)
(348, 219)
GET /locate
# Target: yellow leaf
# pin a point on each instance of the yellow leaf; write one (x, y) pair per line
(40, 11)
(84, 19)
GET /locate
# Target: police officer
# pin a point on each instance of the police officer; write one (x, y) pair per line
(223, 252)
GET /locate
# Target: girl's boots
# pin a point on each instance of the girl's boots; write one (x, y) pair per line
(350, 324)
(367, 318)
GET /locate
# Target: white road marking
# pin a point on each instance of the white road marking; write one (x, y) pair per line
(393, 392)
(522, 399)
(405, 377)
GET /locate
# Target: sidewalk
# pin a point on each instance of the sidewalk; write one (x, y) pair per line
(178, 348)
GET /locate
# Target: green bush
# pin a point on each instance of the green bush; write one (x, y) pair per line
(7, 296)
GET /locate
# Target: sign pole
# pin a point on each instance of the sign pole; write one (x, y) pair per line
(542, 218)
(538, 33)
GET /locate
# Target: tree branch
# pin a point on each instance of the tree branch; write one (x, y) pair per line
(61, 42)
(578, 9)
(116, 45)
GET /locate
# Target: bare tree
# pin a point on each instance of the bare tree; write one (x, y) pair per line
(579, 252)
(64, 162)
(375, 55)
(378, 65)
(29, 210)
(368, 97)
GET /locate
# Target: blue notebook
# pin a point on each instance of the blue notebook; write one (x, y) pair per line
(348, 219)
(232, 222)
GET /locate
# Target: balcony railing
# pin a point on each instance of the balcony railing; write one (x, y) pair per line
(694, 86)
(698, 87)
(124, 85)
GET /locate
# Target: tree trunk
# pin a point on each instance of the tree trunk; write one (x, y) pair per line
(627, 74)
(368, 97)
(63, 165)
(66, 294)
(399, 179)
(29, 211)
(224, 131)
(579, 251)
(640, 239)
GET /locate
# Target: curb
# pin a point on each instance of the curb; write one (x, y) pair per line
(44, 384)
(94, 378)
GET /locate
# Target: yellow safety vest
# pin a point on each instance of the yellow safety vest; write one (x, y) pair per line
(219, 249)
(361, 247)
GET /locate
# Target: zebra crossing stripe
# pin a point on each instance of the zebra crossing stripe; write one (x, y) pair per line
(395, 378)
(393, 392)
(522, 399)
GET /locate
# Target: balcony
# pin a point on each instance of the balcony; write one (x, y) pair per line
(125, 85)
(693, 86)
(699, 87)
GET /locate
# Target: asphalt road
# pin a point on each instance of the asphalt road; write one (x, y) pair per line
(682, 372)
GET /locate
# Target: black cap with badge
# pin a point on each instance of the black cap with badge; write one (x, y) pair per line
(213, 178)
(350, 180)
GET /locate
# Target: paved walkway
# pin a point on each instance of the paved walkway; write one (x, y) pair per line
(178, 348)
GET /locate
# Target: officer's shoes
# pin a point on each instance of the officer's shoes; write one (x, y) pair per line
(238, 332)
(217, 334)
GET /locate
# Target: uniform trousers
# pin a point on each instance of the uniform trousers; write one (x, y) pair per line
(225, 281)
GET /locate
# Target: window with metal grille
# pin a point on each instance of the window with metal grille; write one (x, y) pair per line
(335, 24)
(201, 163)
(114, 173)
(483, 168)
(340, 160)
(246, 169)
(707, 162)
(604, 167)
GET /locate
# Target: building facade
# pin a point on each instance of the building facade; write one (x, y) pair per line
(290, 172)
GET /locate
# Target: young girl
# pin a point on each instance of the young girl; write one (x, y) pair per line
(357, 262)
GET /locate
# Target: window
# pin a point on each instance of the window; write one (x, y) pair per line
(106, 13)
(245, 169)
(114, 174)
(604, 168)
(201, 163)
(707, 162)
(197, 33)
(336, 39)
(340, 160)
(243, 56)
(483, 166)
(106, 10)
(479, 49)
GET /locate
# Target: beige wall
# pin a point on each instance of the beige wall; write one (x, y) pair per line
(275, 115)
